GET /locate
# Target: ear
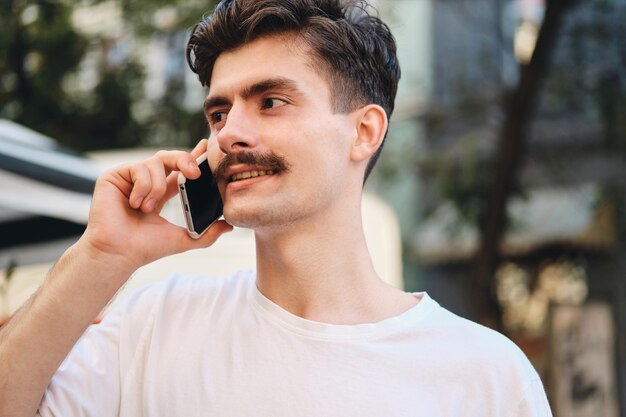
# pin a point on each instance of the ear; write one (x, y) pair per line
(371, 126)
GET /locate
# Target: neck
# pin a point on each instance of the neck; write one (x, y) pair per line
(321, 270)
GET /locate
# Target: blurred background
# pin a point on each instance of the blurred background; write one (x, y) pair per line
(504, 163)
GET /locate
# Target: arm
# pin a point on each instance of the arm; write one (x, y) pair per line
(124, 232)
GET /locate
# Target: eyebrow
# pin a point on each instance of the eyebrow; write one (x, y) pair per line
(278, 83)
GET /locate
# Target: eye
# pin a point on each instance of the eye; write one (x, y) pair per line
(217, 117)
(272, 103)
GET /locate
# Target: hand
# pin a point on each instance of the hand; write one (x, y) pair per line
(124, 221)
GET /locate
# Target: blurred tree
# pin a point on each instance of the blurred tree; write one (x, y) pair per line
(174, 118)
(39, 50)
(85, 87)
(499, 127)
(518, 109)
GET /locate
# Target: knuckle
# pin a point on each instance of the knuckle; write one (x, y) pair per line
(102, 179)
(188, 159)
(156, 160)
(140, 175)
(158, 189)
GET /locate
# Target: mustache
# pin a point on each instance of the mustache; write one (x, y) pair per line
(266, 160)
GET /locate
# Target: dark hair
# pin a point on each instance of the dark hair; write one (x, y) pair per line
(353, 49)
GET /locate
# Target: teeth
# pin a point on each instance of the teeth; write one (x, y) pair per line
(250, 174)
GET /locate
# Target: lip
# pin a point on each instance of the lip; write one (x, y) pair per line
(244, 183)
(248, 182)
(237, 169)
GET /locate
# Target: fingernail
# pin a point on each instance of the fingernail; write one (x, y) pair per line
(193, 166)
(138, 201)
(150, 204)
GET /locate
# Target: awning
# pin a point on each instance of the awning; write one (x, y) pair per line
(42, 186)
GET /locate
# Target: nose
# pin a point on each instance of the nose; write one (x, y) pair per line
(238, 131)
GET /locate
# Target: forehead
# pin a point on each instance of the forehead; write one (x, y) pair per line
(268, 57)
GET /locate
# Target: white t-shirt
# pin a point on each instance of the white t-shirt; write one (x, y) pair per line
(218, 347)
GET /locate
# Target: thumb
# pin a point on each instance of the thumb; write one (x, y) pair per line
(209, 237)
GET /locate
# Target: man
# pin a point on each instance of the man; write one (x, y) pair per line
(300, 92)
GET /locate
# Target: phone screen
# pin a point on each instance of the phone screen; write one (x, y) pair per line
(201, 200)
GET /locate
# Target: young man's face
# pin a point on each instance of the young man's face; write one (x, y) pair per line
(265, 99)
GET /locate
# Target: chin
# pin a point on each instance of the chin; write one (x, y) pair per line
(248, 219)
(255, 218)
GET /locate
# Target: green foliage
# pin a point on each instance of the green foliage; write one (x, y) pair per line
(37, 48)
(87, 89)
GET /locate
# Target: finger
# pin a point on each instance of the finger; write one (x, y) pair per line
(141, 183)
(172, 185)
(217, 229)
(172, 178)
(172, 174)
(200, 148)
(179, 161)
(158, 185)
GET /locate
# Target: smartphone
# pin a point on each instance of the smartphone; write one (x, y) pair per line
(200, 198)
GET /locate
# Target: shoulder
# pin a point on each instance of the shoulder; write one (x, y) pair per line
(182, 294)
(478, 348)
(500, 373)
(475, 335)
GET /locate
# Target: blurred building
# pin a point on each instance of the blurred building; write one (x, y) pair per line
(567, 217)
(45, 197)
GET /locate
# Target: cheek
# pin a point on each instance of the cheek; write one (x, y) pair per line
(323, 162)
(213, 154)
